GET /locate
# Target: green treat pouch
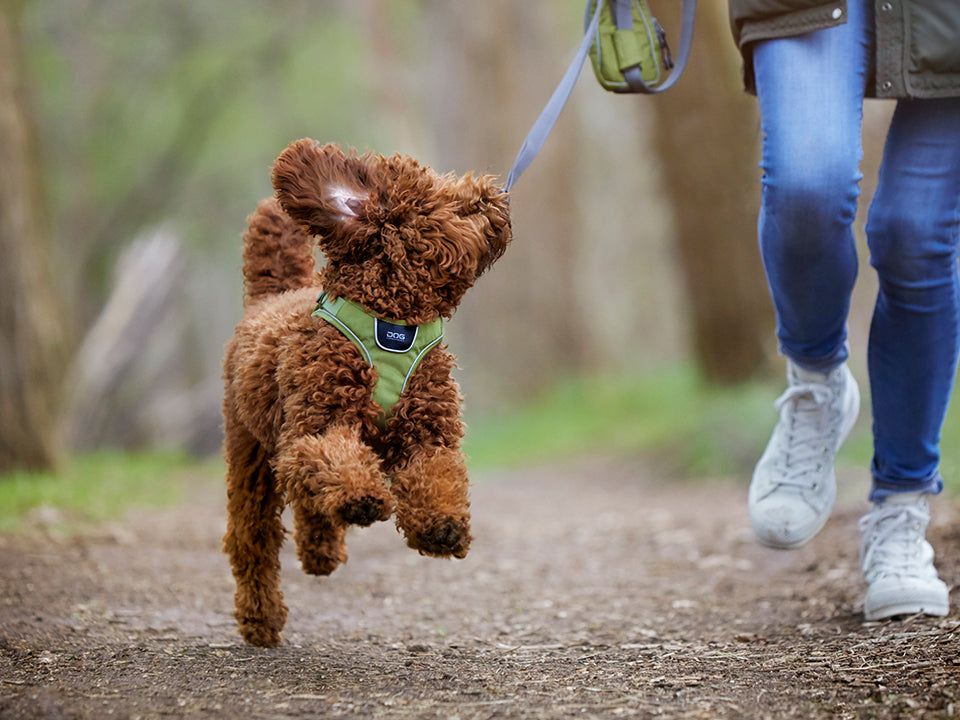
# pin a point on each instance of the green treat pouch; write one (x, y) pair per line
(616, 50)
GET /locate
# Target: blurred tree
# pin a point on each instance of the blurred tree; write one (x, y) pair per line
(707, 137)
(522, 326)
(30, 327)
(148, 86)
(162, 118)
(144, 103)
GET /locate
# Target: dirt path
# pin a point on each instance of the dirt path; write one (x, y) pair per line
(589, 592)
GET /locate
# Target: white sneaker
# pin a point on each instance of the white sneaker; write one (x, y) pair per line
(794, 486)
(897, 561)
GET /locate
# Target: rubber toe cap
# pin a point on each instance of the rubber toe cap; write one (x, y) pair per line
(784, 523)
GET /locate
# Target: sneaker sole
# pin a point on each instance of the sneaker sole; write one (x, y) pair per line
(914, 608)
(785, 546)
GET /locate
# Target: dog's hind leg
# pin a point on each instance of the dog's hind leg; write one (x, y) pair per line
(320, 540)
(254, 536)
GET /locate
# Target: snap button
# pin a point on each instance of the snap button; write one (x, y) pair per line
(887, 85)
(837, 12)
(886, 7)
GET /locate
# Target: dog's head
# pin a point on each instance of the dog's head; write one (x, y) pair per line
(399, 239)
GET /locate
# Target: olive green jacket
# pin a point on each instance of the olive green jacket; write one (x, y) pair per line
(918, 41)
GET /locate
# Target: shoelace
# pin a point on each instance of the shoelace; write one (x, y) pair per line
(803, 454)
(892, 540)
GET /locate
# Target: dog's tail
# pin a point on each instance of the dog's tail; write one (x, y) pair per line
(277, 253)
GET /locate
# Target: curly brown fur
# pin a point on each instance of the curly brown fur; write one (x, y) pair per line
(399, 239)
(335, 475)
(433, 509)
(277, 253)
(254, 536)
(421, 446)
(319, 540)
(300, 419)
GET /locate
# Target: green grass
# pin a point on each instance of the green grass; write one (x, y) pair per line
(94, 487)
(701, 430)
(670, 414)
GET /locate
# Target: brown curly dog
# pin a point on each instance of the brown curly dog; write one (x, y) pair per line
(301, 422)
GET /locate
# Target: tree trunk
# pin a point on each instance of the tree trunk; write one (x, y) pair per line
(30, 330)
(706, 132)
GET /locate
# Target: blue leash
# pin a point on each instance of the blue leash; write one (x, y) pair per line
(623, 15)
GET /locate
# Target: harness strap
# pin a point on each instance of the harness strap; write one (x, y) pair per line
(542, 126)
(392, 347)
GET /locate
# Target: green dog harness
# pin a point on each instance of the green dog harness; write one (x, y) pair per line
(392, 347)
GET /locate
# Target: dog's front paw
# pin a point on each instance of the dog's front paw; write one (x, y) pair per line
(443, 537)
(366, 509)
(336, 476)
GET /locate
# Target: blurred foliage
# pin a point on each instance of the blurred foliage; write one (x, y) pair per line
(155, 110)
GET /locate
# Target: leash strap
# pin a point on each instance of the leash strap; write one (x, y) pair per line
(548, 117)
(541, 128)
(623, 16)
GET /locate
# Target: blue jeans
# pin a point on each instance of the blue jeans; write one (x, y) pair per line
(811, 90)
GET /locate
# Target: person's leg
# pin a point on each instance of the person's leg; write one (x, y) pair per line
(810, 90)
(913, 230)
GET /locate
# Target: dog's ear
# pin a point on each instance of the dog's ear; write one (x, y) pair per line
(320, 186)
(483, 200)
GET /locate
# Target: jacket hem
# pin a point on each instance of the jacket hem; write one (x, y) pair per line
(799, 22)
(933, 86)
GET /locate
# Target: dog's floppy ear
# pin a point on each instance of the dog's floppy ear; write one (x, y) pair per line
(320, 186)
(483, 199)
